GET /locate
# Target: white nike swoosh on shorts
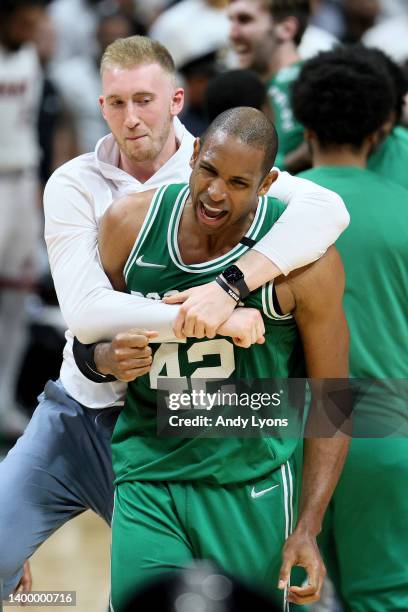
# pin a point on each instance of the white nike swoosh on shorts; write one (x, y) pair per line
(255, 494)
(146, 264)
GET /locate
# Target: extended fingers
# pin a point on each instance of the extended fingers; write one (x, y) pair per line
(177, 298)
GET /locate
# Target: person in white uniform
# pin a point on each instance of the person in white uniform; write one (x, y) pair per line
(62, 464)
(20, 89)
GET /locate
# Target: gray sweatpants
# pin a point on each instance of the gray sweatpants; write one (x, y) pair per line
(60, 467)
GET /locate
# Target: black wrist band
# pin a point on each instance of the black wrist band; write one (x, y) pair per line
(85, 361)
(227, 289)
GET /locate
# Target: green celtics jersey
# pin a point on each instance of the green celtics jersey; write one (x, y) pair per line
(290, 131)
(374, 253)
(391, 158)
(155, 269)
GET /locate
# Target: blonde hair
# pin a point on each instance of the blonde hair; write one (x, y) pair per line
(136, 50)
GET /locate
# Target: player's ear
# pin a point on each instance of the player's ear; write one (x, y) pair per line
(177, 101)
(373, 141)
(101, 100)
(267, 182)
(309, 135)
(196, 151)
(287, 29)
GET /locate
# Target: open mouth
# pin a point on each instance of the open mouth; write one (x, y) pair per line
(241, 48)
(209, 214)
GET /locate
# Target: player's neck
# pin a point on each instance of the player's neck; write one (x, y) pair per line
(286, 54)
(344, 156)
(144, 170)
(197, 246)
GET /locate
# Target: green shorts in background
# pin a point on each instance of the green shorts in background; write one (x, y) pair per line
(364, 541)
(159, 527)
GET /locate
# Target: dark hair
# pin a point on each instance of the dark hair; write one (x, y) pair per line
(399, 79)
(343, 96)
(233, 88)
(250, 126)
(282, 9)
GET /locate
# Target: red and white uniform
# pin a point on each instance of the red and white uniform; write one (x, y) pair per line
(20, 88)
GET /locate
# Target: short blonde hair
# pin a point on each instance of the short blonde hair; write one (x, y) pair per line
(136, 50)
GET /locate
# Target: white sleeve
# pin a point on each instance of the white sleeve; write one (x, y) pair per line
(314, 219)
(91, 308)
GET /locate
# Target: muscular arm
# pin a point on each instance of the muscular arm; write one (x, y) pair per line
(320, 318)
(90, 307)
(317, 293)
(118, 231)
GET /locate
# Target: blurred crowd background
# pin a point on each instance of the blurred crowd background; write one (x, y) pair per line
(49, 113)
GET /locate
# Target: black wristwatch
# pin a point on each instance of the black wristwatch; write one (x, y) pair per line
(235, 277)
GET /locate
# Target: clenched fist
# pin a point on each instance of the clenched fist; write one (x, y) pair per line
(127, 356)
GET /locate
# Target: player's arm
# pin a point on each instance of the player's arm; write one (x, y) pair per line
(129, 355)
(118, 230)
(90, 307)
(313, 220)
(317, 292)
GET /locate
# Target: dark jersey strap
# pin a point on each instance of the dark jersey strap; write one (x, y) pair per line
(275, 302)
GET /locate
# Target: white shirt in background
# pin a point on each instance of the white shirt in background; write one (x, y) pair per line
(20, 91)
(75, 22)
(391, 36)
(79, 83)
(191, 29)
(314, 41)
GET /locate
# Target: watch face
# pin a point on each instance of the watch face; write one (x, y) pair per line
(233, 274)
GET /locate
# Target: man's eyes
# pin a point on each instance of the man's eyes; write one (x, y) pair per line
(208, 170)
(235, 182)
(140, 101)
(244, 19)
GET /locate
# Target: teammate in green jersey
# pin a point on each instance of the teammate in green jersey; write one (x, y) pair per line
(365, 537)
(390, 157)
(228, 500)
(390, 160)
(265, 36)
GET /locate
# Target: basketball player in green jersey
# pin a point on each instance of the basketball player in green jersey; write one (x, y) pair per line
(365, 537)
(229, 500)
(390, 157)
(265, 35)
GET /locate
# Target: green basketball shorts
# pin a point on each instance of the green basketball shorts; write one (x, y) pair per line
(159, 527)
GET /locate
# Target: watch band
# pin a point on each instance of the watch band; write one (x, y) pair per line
(227, 289)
